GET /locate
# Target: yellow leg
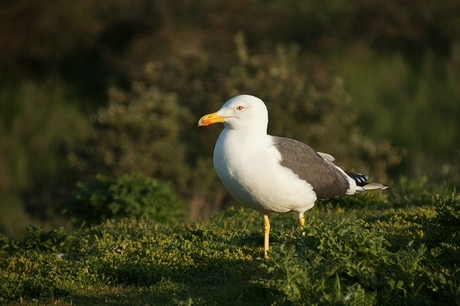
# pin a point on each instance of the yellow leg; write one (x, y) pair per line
(301, 221)
(266, 235)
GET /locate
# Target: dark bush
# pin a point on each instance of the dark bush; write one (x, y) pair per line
(127, 196)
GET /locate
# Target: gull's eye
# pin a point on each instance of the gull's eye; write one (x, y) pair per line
(239, 108)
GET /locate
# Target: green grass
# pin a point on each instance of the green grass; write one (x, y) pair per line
(399, 247)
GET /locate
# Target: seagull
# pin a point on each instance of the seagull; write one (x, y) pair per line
(274, 174)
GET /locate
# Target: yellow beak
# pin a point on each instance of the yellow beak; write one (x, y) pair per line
(210, 119)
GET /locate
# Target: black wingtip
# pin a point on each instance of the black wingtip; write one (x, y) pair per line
(359, 178)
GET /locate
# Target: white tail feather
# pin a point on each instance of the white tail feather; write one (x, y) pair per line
(375, 186)
(371, 186)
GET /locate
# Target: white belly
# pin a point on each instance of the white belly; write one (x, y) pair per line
(257, 180)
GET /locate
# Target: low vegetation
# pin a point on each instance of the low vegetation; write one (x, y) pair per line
(399, 247)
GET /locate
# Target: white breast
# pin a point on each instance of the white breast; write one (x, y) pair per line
(249, 167)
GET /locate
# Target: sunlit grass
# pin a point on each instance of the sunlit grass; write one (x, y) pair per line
(374, 249)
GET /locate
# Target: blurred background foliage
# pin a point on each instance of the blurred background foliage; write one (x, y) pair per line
(114, 87)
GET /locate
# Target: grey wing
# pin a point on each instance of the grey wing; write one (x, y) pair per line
(320, 172)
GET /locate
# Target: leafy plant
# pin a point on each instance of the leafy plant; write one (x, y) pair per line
(138, 131)
(127, 196)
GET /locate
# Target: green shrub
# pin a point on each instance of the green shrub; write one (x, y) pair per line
(127, 196)
(138, 131)
(443, 237)
(37, 239)
(446, 225)
(338, 261)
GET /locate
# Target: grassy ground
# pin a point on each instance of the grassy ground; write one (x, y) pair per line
(399, 247)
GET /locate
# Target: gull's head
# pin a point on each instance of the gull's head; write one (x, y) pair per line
(239, 113)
